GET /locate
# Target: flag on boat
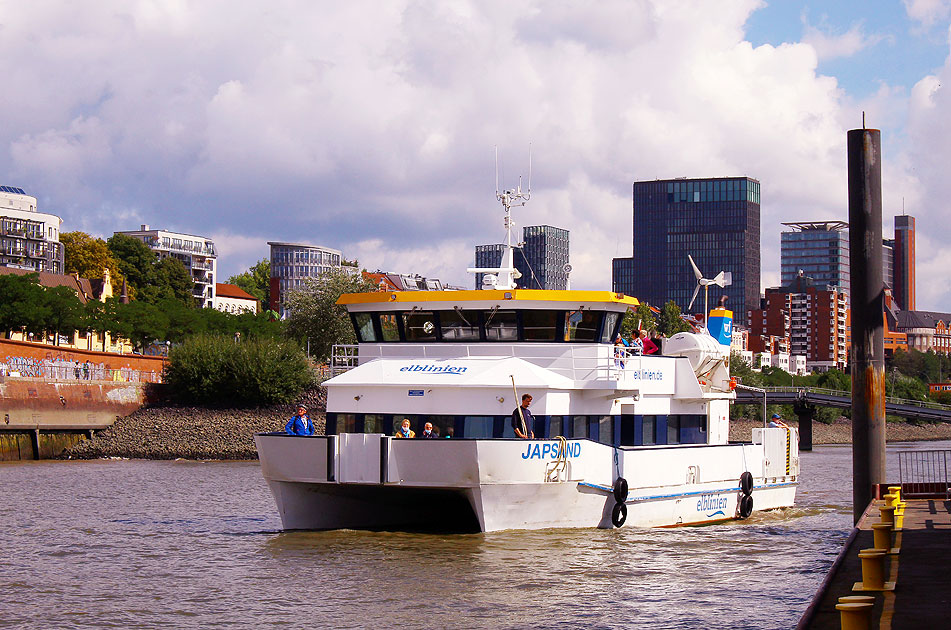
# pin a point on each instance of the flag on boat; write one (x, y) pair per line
(654, 309)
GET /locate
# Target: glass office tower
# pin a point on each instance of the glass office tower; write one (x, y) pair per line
(716, 220)
(542, 259)
(819, 249)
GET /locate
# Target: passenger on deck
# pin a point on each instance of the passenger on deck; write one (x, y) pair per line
(404, 431)
(428, 431)
(619, 351)
(637, 346)
(649, 346)
(777, 422)
(522, 420)
(300, 424)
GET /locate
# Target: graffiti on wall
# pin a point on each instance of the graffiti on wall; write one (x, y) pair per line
(59, 366)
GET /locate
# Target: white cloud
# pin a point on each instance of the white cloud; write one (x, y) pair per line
(928, 11)
(830, 45)
(370, 126)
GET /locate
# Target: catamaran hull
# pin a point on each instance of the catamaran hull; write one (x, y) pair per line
(358, 481)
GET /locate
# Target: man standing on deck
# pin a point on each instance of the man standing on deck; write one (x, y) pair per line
(300, 424)
(522, 420)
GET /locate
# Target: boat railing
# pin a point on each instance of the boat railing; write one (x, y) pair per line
(585, 363)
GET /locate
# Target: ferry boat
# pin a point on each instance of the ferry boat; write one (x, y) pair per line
(618, 438)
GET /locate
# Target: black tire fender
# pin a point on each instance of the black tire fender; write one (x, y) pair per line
(620, 489)
(746, 483)
(746, 506)
(619, 514)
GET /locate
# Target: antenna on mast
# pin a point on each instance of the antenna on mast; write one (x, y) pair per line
(504, 276)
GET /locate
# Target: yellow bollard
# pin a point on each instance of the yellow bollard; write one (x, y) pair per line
(891, 499)
(857, 599)
(882, 535)
(854, 616)
(896, 490)
(873, 572)
(887, 514)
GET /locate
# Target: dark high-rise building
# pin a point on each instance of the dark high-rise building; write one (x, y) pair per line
(904, 286)
(542, 259)
(817, 250)
(717, 221)
(622, 275)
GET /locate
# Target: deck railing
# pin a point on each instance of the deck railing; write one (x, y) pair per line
(924, 474)
(587, 362)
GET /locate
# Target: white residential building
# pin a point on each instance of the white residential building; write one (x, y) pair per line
(235, 300)
(293, 263)
(197, 253)
(28, 239)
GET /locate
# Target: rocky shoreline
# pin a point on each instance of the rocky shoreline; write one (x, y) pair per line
(203, 433)
(840, 431)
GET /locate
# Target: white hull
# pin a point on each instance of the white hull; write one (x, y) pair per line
(369, 481)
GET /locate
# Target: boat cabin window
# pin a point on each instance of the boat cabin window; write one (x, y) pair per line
(556, 426)
(467, 325)
(459, 325)
(389, 327)
(420, 326)
(673, 429)
(363, 322)
(579, 427)
(608, 334)
(373, 423)
(541, 325)
(346, 422)
(649, 435)
(583, 325)
(479, 426)
(501, 325)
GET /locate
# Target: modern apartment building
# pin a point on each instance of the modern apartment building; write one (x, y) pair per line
(197, 253)
(28, 239)
(714, 220)
(293, 263)
(542, 258)
(813, 318)
(904, 284)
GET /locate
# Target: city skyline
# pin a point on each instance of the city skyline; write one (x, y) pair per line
(381, 144)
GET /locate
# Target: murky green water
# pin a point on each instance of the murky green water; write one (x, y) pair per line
(139, 544)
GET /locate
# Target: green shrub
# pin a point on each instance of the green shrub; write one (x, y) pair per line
(215, 370)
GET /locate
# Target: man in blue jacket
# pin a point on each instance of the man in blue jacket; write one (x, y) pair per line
(300, 424)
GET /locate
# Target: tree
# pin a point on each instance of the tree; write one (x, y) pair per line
(141, 323)
(150, 279)
(256, 281)
(89, 257)
(315, 315)
(670, 322)
(23, 306)
(64, 312)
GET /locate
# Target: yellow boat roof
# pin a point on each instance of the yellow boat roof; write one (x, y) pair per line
(432, 298)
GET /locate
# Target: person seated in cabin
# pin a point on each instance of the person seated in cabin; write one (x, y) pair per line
(522, 420)
(649, 346)
(404, 431)
(300, 424)
(777, 422)
(429, 432)
(449, 432)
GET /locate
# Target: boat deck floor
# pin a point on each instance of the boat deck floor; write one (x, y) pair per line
(922, 595)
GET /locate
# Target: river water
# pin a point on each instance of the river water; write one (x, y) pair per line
(143, 544)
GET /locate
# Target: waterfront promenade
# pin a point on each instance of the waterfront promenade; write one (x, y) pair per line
(920, 598)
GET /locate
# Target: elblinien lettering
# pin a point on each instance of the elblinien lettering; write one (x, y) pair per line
(435, 369)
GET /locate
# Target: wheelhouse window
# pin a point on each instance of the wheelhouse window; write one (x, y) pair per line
(583, 325)
(459, 325)
(363, 322)
(419, 326)
(610, 323)
(541, 325)
(501, 325)
(373, 423)
(389, 327)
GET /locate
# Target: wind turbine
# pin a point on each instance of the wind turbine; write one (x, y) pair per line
(722, 279)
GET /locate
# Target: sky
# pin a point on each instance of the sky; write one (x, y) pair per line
(372, 127)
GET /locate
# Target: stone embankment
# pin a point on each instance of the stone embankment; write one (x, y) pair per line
(194, 432)
(840, 432)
